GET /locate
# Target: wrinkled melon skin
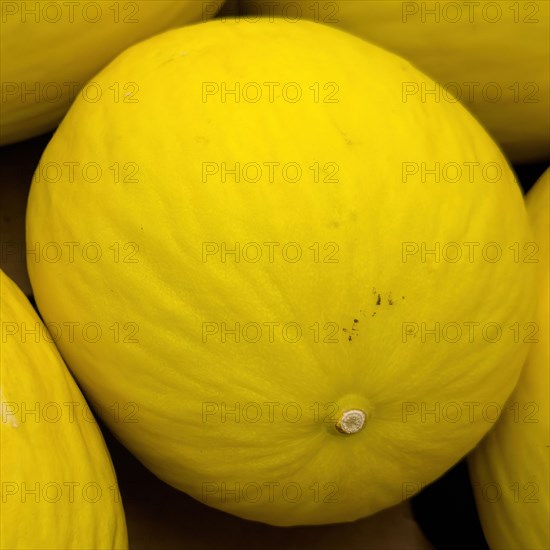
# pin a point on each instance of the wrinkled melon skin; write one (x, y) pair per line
(57, 51)
(514, 457)
(54, 464)
(171, 296)
(498, 54)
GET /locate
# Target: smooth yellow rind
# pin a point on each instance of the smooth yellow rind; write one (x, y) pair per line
(493, 56)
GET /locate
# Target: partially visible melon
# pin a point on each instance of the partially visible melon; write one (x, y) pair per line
(510, 467)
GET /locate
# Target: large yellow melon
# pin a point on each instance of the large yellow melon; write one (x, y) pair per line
(286, 266)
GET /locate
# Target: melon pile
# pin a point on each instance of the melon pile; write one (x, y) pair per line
(295, 277)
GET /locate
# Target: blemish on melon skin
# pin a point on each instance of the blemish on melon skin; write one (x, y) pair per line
(379, 300)
(353, 329)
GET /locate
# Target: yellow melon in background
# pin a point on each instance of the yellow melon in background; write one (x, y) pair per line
(50, 50)
(252, 190)
(59, 489)
(510, 468)
(493, 56)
